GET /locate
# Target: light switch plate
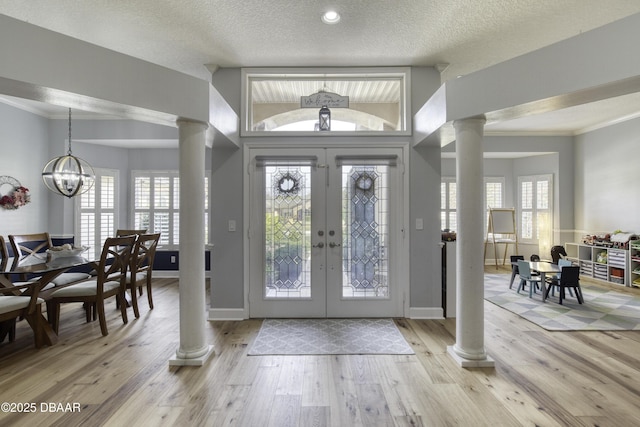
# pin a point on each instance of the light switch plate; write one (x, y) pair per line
(419, 224)
(232, 225)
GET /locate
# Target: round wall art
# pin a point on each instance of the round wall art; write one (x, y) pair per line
(12, 194)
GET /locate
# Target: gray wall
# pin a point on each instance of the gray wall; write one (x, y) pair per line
(24, 141)
(607, 180)
(424, 186)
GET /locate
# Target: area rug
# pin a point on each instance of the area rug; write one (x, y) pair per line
(603, 309)
(329, 336)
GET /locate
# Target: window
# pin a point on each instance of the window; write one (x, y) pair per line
(371, 101)
(97, 212)
(448, 204)
(493, 195)
(156, 205)
(535, 203)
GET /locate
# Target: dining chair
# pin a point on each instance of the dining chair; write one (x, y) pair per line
(28, 245)
(514, 267)
(141, 268)
(14, 304)
(527, 278)
(570, 279)
(554, 280)
(110, 281)
(124, 232)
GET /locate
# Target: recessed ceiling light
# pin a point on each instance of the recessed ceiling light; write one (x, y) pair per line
(331, 17)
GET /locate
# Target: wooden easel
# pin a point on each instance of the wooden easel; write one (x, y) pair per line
(502, 221)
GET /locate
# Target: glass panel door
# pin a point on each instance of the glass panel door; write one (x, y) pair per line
(323, 240)
(364, 205)
(286, 226)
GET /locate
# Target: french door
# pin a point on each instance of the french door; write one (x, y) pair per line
(325, 232)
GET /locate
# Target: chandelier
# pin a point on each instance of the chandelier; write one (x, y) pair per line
(68, 175)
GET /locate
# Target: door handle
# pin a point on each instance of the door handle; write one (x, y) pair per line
(334, 245)
(319, 245)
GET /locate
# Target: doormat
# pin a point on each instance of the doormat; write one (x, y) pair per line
(603, 309)
(329, 336)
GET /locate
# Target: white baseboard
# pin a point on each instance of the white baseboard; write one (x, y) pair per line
(227, 314)
(166, 274)
(426, 313)
(174, 274)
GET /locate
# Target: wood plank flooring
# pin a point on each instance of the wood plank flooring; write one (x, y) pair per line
(541, 378)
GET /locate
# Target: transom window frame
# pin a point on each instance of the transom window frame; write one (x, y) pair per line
(325, 75)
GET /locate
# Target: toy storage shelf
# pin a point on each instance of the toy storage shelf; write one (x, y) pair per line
(634, 263)
(607, 264)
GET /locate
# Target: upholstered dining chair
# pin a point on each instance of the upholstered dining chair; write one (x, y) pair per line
(141, 268)
(527, 278)
(15, 304)
(110, 281)
(569, 279)
(27, 245)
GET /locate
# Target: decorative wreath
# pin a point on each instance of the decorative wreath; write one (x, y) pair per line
(17, 196)
(288, 184)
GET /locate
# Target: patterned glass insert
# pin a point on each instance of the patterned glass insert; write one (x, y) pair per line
(287, 232)
(365, 234)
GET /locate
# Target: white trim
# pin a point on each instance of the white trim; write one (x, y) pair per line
(174, 274)
(426, 313)
(347, 73)
(232, 314)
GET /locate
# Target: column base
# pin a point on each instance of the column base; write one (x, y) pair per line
(196, 361)
(487, 362)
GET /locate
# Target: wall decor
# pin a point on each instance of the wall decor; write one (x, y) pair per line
(12, 194)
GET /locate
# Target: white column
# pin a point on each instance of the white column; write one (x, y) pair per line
(469, 350)
(193, 350)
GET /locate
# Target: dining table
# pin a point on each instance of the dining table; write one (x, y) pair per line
(542, 268)
(43, 270)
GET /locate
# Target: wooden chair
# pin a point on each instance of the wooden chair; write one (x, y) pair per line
(569, 279)
(121, 232)
(141, 268)
(27, 245)
(527, 278)
(110, 281)
(15, 304)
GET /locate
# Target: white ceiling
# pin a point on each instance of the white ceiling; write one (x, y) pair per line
(469, 35)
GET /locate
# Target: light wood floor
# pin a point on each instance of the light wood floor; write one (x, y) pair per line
(541, 378)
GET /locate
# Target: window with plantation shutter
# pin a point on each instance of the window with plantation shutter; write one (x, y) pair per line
(97, 211)
(156, 205)
(535, 205)
(448, 204)
(493, 196)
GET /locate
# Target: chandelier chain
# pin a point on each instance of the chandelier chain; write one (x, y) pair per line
(69, 150)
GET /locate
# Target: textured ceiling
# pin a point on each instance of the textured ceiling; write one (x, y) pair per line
(187, 35)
